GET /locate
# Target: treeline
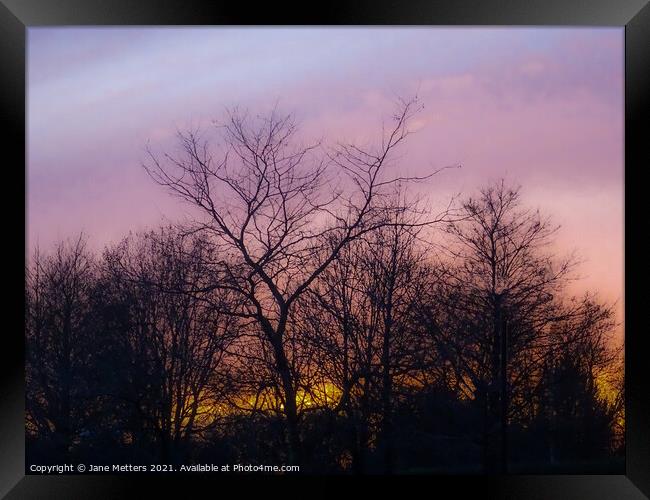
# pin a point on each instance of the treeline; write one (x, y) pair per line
(340, 330)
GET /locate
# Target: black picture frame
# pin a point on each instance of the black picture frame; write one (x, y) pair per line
(18, 15)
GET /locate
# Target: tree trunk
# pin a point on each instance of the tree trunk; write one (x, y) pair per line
(290, 409)
(387, 423)
(66, 387)
(504, 398)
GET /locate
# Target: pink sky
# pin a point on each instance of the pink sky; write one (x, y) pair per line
(541, 106)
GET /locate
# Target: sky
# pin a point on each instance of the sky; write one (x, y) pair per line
(542, 107)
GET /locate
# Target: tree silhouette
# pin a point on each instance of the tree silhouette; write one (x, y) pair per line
(314, 312)
(173, 343)
(58, 335)
(273, 208)
(500, 307)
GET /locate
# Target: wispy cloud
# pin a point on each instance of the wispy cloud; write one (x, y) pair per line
(541, 105)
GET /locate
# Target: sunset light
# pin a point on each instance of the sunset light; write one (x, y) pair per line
(379, 250)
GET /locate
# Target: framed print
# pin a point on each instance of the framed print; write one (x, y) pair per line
(272, 247)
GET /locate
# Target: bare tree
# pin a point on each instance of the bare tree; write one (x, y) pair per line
(393, 265)
(59, 292)
(578, 396)
(500, 292)
(174, 342)
(361, 316)
(273, 208)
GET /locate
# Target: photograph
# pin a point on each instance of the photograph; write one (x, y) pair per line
(343, 250)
